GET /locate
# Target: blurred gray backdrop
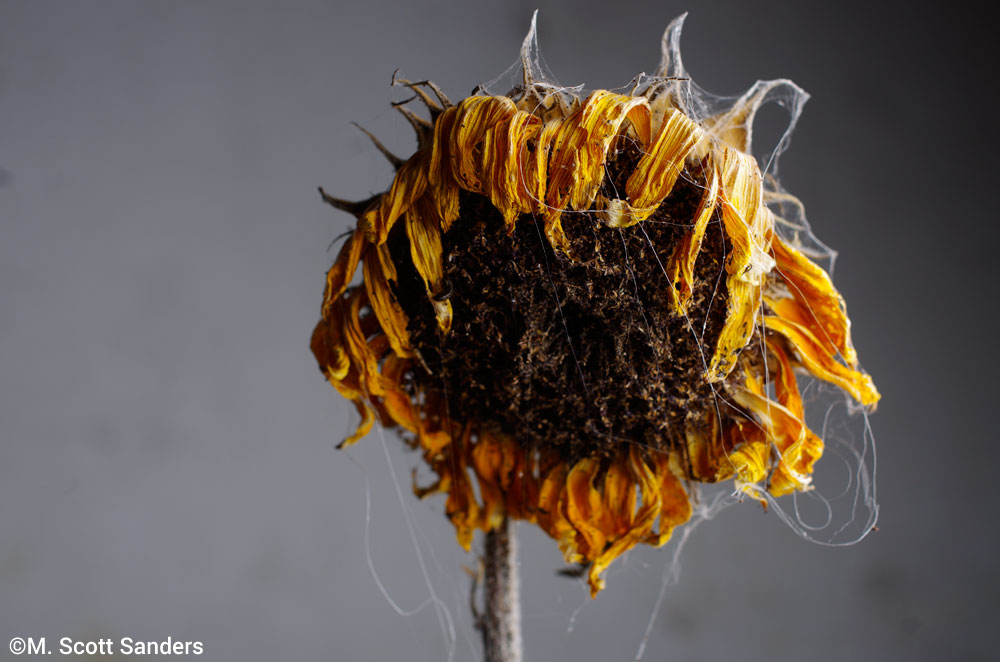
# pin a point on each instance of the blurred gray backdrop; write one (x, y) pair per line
(166, 442)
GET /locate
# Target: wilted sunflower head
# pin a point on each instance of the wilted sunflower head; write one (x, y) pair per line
(579, 308)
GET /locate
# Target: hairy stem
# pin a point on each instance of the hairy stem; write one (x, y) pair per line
(501, 622)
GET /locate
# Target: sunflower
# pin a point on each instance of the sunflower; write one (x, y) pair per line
(579, 308)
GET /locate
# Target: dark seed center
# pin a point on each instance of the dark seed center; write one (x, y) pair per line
(580, 355)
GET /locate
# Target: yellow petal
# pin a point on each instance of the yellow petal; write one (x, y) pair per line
(364, 362)
(409, 184)
(682, 261)
(329, 351)
(423, 227)
(379, 271)
(342, 271)
(506, 159)
(660, 165)
(748, 226)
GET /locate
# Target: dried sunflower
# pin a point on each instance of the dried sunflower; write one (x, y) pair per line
(580, 308)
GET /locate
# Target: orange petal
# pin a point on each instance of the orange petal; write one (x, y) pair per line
(329, 351)
(583, 505)
(461, 507)
(396, 400)
(619, 497)
(818, 359)
(363, 361)
(364, 427)
(815, 303)
(675, 506)
(551, 512)
(342, 271)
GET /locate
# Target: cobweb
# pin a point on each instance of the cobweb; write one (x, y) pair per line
(840, 510)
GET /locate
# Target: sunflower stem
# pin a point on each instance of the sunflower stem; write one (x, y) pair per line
(501, 624)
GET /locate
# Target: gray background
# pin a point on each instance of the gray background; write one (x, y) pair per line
(166, 442)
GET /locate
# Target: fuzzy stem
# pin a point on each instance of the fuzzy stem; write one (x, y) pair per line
(501, 624)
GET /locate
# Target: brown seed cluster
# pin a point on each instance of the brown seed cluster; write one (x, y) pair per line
(585, 354)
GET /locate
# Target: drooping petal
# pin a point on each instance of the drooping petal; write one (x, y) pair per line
(396, 400)
(364, 363)
(641, 524)
(681, 266)
(461, 507)
(506, 158)
(748, 226)
(817, 358)
(423, 227)
(487, 459)
(329, 350)
(364, 427)
(619, 500)
(815, 303)
(583, 504)
(551, 512)
(409, 184)
(379, 272)
(342, 271)
(796, 445)
(675, 506)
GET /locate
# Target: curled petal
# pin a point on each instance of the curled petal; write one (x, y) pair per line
(396, 400)
(583, 504)
(619, 498)
(749, 226)
(364, 427)
(409, 184)
(379, 271)
(342, 271)
(815, 304)
(735, 126)
(681, 268)
(675, 507)
(329, 350)
(364, 373)
(423, 227)
(796, 445)
(818, 359)
(551, 512)
(506, 158)
(654, 176)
